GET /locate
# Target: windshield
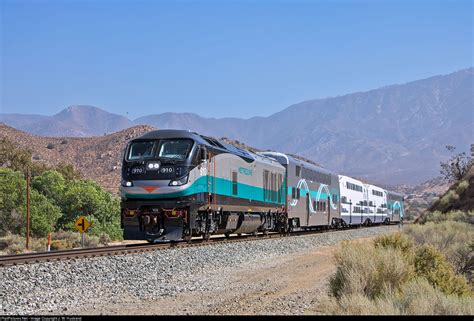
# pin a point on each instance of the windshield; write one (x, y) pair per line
(177, 149)
(141, 150)
(170, 148)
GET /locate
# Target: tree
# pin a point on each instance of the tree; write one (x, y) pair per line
(51, 184)
(12, 201)
(44, 214)
(456, 167)
(85, 197)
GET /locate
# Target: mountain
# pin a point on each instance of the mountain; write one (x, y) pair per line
(74, 121)
(391, 135)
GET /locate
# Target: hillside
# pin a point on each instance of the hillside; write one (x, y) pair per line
(97, 158)
(459, 196)
(391, 135)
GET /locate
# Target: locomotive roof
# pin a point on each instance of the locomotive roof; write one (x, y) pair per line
(203, 140)
(292, 159)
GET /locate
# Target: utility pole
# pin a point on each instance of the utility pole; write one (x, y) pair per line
(27, 208)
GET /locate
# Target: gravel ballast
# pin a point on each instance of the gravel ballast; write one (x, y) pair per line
(57, 287)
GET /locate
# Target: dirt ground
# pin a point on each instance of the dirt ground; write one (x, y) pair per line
(291, 284)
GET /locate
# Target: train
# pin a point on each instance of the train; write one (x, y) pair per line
(178, 184)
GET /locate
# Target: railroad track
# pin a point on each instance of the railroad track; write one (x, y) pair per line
(27, 258)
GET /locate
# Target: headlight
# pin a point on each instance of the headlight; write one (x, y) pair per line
(127, 183)
(153, 166)
(179, 182)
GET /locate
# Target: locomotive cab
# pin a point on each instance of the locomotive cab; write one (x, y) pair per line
(157, 176)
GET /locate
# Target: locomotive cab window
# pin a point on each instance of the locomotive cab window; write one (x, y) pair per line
(176, 148)
(139, 150)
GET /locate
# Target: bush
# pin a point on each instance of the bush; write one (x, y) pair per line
(57, 245)
(418, 297)
(71, 239)
(453, 239)
(457, 216)
(357, 304)
(104, 239)
(12, 243)
(364, 269)
(50, 146)
(396, 241)
(432, 265)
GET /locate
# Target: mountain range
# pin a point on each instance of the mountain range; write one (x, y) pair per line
(394, 134)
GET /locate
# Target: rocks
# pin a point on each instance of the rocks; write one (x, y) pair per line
(56, 287)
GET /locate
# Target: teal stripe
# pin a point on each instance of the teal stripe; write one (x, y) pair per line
(223, 187)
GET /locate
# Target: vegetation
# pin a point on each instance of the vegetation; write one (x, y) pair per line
(426, 269)
(57, 197)
(456, 167)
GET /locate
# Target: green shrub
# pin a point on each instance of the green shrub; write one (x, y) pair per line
(432, 265)
(453, 239)
(462, 186)
(363, 269)
(397, 241)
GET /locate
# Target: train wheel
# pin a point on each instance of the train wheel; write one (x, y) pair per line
(206, 236)
(227, 234)
(187, 238)
(188, 235)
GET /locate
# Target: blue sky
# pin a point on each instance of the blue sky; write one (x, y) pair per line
(220, 58)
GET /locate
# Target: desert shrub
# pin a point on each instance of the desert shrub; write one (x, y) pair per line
(462, 186)
(397, 241)
(57, 245)
(71, 239)
(364, 269)
(91, 241)
(432, 265)
(50, 146)
(450, 197)
(419, 297)
(68, 171)
(457, 216)
(357, 304)
(12, 243)
(104, 239)
(453, 239)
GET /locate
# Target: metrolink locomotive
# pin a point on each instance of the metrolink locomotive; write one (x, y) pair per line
(178, 184)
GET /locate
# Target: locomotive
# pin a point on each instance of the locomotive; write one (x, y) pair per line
(178, 184)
